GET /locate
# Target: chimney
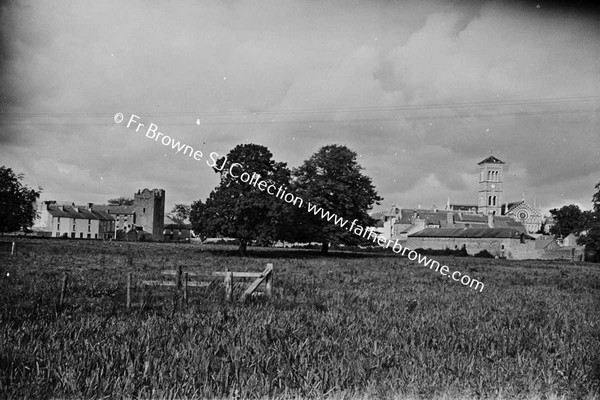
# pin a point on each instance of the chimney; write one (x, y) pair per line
(90, 206)
(434, 208)
(490, 220)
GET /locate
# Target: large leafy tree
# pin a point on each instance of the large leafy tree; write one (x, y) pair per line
(569, 219)
(333, 180)
(17, 202)
(241, 210)
(181, 211)
(591, 237)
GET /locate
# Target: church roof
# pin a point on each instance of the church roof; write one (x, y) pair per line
(491, 160)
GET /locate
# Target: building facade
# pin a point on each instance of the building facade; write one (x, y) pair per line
(145, 219)
(149, 209)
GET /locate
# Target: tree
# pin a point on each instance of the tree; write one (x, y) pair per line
(181, 211)
(239, 209)
(591, 237)
(333, 180)
(198, 218)
(568, 219)
(121, 201)
(17, 202)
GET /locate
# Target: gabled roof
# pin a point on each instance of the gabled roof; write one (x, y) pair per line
(498, 233)
(114, 209)
(78, 212)
(474, 218)
(462, 207)
(172, 222)
(491, 160)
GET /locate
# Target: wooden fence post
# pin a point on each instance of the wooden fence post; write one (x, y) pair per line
(63, 288)
(269, 283)
(179, 277)
(185, 288)
(129, 290)
(228, 285)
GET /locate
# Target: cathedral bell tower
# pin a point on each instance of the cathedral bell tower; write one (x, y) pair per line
(490, 186)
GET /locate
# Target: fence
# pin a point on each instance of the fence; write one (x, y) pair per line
(182, 281)
(8, 248)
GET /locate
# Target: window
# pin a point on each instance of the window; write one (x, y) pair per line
(89, 221)
(89, 228)
(144, 209)
(89, 236)
(81, 235)
(57, 234)
(73, 235)
(58, 227)
(96, 236)
(58, 220)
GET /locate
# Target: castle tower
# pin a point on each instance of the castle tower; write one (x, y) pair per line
(490, 185)
(149, 208)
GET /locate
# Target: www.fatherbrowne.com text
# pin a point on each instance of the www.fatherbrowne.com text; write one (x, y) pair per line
(236, 170)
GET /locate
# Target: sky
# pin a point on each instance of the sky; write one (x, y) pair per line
(420, 90)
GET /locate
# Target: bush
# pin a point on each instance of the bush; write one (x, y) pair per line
(484, 254)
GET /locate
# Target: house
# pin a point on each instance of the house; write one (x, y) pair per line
(176, 229)
(72, 221)
(145, 219)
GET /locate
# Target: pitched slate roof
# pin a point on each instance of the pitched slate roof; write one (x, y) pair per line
(474, 218)
(172, 222)
(114, 209)
(490, 160)
(497, 233)
(463, 207)
(77, 212)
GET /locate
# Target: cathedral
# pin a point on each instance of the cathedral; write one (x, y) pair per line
(490, 198)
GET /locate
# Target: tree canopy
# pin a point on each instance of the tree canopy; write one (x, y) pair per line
(181, 211)
(333, 179)
(569, 219)
(591, 236)
(238, 209)
(17, 202)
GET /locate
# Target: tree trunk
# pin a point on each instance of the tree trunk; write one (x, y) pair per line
(242, 248)
(325, 248)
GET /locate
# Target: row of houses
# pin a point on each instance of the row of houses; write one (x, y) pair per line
(144, 220)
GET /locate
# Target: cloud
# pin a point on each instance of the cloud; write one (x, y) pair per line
(420, 90)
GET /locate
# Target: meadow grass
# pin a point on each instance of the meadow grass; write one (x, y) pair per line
(341, 327)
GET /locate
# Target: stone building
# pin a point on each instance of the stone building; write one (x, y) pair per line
(149, 209)
(500, 242)
(145, 219)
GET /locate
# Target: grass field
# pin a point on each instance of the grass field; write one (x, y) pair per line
(345, 326)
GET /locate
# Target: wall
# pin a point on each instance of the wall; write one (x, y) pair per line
(473, 245)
